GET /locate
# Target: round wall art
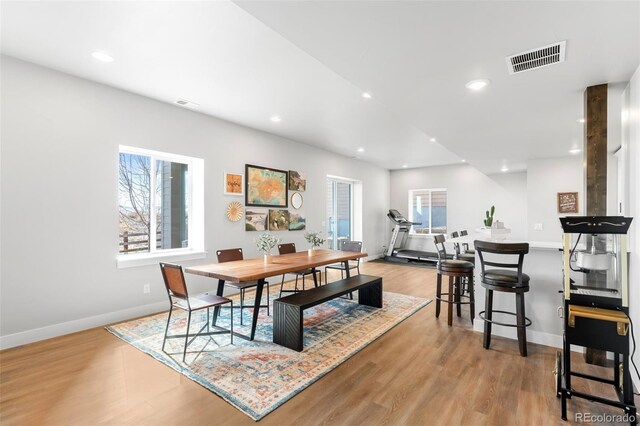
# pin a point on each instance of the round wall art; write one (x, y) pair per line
(234, 211)
(296, 200)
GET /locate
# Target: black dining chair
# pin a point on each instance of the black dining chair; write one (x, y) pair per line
(455, 270)
(355, 246)
(291, 248)
(230, 255)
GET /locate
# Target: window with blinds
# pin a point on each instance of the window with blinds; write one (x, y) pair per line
(429, 207)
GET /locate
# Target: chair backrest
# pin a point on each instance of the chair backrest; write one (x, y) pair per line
(287, 248)
(502, 249)
(174, 281)
(351, 246)
(463, 232)
(456, 246)
(439, 242)
(229, 255)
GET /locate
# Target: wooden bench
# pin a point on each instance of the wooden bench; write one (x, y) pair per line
(287, 311)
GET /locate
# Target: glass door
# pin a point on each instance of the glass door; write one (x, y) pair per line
(339, 212)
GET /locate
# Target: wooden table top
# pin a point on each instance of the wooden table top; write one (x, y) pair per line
(255, 269)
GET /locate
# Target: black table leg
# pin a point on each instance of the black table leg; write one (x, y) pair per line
(256, 307)
(315, 279)
(346, 268)
(348, 273)
(216, 310)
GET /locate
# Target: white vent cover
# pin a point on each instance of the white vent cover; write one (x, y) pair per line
(536, 58)
(187, 104)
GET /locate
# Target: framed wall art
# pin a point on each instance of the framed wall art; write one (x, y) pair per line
(568, 202)
(256, 219)
(278, 220)
(297, 181)
(233, 183)
(297, 221)
(265, 187)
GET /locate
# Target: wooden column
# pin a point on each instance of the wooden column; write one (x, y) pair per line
(595, 178)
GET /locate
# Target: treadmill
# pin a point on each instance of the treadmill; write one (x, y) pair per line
(396, 251)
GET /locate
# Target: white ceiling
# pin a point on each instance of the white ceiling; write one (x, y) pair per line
(309, 63)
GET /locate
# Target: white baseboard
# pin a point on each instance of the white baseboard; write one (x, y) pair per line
(30, 336)
(539, 337)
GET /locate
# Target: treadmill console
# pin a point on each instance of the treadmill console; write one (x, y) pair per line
(397, 218)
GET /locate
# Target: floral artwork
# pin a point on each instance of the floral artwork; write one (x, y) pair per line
(297, 181)
(266, 187)
(278, 220)
(297, 221)
(255, 219)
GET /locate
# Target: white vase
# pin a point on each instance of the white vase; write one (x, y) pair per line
(311, 251)
(267, 259)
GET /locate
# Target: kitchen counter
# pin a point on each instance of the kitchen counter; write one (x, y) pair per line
(544, 265)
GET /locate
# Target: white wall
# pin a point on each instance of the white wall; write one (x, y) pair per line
(631, 144)
(545, 178)
(469, 194)
(60, 138)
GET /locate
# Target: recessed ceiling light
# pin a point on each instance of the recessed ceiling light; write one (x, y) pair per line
(463, 160)
(477, 84)
(360, 149)
(504, 169)
(276, 119)
(574, 151)
(102, 56)
(432, 140)
(404, 166)
(366, 95)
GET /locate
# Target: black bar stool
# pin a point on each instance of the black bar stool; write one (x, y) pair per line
(455, 270)
(511, 279)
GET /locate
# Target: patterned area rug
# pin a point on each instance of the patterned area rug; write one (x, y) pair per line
(257, 377)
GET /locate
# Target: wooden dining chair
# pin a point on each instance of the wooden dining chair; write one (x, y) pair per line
(179, 298)
(291, 248)
(230, 255)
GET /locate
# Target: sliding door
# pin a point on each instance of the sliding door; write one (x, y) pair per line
(339, 212)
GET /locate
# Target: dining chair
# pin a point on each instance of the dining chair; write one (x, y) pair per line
(287, 248)
(346, 246)
(230, 255)
(179, 298)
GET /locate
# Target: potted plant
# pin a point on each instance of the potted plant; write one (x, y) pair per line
(265, 243)
(315, 239)
(488, 220)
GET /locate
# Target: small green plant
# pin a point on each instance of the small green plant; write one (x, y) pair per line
(488, 221)
(314, 239)
(266, 242)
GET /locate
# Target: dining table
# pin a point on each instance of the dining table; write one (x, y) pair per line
(257, 269)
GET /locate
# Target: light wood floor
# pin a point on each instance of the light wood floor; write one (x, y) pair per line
(420, 372)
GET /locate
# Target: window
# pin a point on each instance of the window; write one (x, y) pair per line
(429, 207)
(160, 204)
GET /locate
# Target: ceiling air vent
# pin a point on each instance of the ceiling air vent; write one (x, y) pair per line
(187, 104)
(536, 58)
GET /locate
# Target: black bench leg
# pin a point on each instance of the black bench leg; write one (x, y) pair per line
(287, 326)
(371, 295)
